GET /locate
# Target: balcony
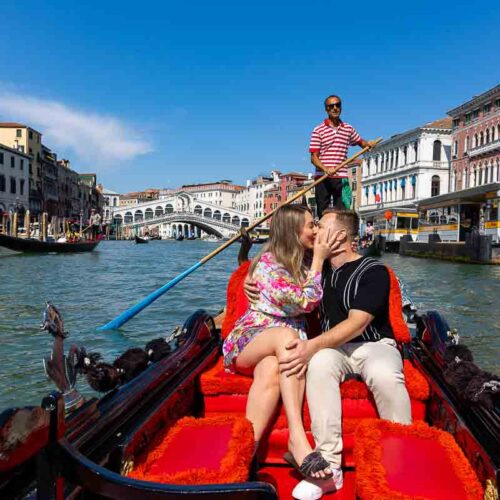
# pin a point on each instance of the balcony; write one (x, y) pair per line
(485, 149)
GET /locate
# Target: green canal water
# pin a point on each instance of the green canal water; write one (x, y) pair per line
(90, 289)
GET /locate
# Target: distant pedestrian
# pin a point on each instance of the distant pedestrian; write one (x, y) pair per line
(329, 145)
(369, 231)
(95, 222)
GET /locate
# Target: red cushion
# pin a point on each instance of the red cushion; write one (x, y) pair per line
(385, 452)
(217, 449)
(217, 381)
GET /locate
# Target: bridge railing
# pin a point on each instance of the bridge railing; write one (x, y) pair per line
(184, 217)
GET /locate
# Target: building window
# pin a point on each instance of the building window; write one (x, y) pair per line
(475, 114)
(487, 136)
(455, 148)
(21, 164)
(467, 144)
(456, 122)
(12, 185)
(13, 162)
(435, 185)
(476, 141)
(1, 158)
(497, 103)
(19, 133)
(487, 108)
(2, 183)
(468, 118)
(30, 134)
(21, 187)
(436, 151)
(482, 138)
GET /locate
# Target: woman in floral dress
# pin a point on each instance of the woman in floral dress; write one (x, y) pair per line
(288, 289)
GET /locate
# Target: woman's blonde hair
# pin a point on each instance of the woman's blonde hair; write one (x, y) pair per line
(284, 240)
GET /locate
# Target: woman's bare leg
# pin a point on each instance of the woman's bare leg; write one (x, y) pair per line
(264, 395)
(272, 342)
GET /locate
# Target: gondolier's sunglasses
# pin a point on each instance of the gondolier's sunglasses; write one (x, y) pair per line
(334, 105)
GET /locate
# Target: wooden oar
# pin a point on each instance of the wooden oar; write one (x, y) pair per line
(130, 313)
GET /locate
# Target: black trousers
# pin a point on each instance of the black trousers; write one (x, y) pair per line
(328, 195)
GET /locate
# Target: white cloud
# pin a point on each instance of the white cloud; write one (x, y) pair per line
(93, 138)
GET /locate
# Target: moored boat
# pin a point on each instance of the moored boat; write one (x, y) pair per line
(179, 238)
(177, 430)
(38, 246)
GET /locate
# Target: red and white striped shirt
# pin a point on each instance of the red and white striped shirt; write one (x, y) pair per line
(332, 145)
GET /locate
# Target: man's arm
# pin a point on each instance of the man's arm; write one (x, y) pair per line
(317, 162)
(363, 144)
(301, 351)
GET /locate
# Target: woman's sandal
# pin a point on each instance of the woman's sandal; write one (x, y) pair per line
(311, 464)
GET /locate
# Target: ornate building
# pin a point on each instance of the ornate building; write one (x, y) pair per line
(406, 168)
(476, 141)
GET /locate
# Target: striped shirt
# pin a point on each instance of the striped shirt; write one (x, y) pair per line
(363, 284)
(332, 145)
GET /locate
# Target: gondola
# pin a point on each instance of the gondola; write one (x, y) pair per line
(140, 240)
(179, 238)
(177, 431)
(37, 246)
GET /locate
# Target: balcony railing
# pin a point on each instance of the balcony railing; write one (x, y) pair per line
(485, 148)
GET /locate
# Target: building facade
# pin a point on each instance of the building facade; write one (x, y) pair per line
(14, 180)
(406, 168)
(223, 193)
(355, 171)
(476, 141)
(28, 141)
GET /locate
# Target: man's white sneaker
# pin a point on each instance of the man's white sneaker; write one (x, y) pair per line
(313, 489)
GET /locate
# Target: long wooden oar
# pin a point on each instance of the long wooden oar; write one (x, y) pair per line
(130, 313)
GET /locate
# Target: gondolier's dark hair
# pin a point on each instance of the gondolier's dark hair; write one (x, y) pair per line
(348, 218)
(331, 97)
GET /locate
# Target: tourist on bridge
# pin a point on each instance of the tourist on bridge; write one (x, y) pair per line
(329, 144)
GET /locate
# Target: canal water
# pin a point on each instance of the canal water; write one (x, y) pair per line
(90, 289)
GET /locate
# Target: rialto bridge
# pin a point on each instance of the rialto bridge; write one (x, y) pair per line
(181, 214)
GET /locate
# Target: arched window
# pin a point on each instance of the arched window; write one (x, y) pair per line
(169, 209)
(226, 218)
(467, 143)
(476, 141)
(482, 138)
(235, 220)
(467, 177)
(245, 223)
(217, 215)
(148, 214)
(207, 212)
(198, 210)
(128, 218)
(480, 176)
(487, 136)
(158, 211)
(138, 216)
(2, 182)
(118, 219)
(435, 185)
(436, 151)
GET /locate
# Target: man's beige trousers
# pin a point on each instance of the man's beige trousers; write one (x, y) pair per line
(381, 367)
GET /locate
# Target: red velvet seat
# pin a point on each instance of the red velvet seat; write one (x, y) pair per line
(217, 449)
(411, 461)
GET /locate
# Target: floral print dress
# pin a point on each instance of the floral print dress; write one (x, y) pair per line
(282, 303)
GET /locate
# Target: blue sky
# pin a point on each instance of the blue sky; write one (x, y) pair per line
(156, 94)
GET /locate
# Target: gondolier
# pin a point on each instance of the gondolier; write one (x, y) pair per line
(330, 141)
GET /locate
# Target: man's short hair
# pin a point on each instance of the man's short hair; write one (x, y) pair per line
(330, 97)
(348, 218)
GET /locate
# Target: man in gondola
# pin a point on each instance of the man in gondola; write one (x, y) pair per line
(357, 339)
(329, 145)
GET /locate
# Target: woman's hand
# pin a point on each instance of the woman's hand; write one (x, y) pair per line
(325, 245)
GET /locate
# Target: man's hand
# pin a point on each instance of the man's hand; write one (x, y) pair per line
(298, 355)
(251, 290)
(370, 144)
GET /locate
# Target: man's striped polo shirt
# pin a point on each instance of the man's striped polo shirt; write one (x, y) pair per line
(332, 145)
